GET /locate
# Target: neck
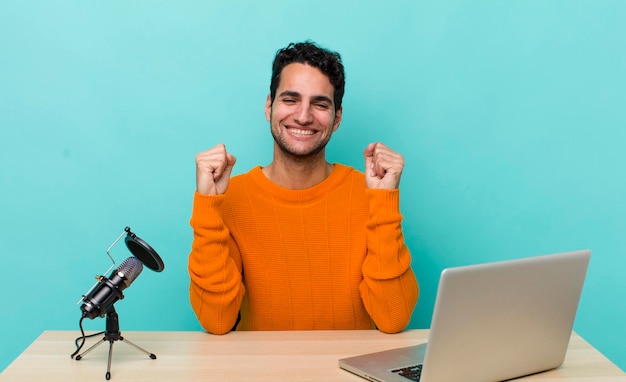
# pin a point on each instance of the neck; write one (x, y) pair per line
(298, 174)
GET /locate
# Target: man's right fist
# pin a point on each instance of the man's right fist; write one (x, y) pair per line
(213, 169)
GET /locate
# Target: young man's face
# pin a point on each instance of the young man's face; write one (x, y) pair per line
(302, 117)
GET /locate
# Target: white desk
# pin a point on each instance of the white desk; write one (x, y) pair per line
(241, 356)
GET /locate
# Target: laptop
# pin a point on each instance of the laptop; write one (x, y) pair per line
(491, 322)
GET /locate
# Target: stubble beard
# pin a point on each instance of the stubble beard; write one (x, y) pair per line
(296, 155)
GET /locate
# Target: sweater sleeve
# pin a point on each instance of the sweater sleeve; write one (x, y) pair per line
(389, 288)
(216, 287)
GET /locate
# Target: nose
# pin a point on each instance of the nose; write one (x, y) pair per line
(302, 114)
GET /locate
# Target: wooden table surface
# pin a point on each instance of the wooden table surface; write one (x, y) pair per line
(258, 356)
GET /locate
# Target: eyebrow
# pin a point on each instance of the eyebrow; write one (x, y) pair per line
(291, 93)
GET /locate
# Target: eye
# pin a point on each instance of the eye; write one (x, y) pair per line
(322, 105)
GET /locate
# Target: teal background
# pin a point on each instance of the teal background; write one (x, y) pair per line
(510, 115)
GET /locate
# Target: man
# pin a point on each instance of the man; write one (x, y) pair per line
(301, 243)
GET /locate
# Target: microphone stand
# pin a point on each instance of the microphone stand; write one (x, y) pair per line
(111, 335)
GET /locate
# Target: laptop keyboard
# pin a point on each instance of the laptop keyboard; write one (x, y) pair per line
(413, 373)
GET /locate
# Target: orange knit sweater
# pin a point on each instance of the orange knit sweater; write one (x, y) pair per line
(329, 257)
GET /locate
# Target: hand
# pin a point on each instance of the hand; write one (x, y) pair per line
(213, 169)
(383, 167)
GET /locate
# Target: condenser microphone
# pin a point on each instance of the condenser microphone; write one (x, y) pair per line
(100, 299)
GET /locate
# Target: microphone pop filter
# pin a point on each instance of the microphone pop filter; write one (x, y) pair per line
(143, 251)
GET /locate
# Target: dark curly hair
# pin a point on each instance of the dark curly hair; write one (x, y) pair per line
(310, 53)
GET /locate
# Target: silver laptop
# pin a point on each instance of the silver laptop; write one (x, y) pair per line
(491, 322)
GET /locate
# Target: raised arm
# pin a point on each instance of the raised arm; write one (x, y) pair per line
(389, 289)
(216, 287)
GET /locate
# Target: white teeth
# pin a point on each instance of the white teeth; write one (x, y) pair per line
(303, 132)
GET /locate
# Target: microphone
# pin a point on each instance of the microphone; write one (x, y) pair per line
(100, 299)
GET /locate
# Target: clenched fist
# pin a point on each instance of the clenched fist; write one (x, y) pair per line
(213, 169)
(383, 167)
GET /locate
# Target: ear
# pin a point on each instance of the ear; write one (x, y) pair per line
(338, 116)
(268, 107)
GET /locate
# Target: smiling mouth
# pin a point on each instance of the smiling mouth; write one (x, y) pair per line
(300, 131)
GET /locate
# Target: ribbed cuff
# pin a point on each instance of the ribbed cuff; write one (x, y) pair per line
(383, 201)
(205, 207)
